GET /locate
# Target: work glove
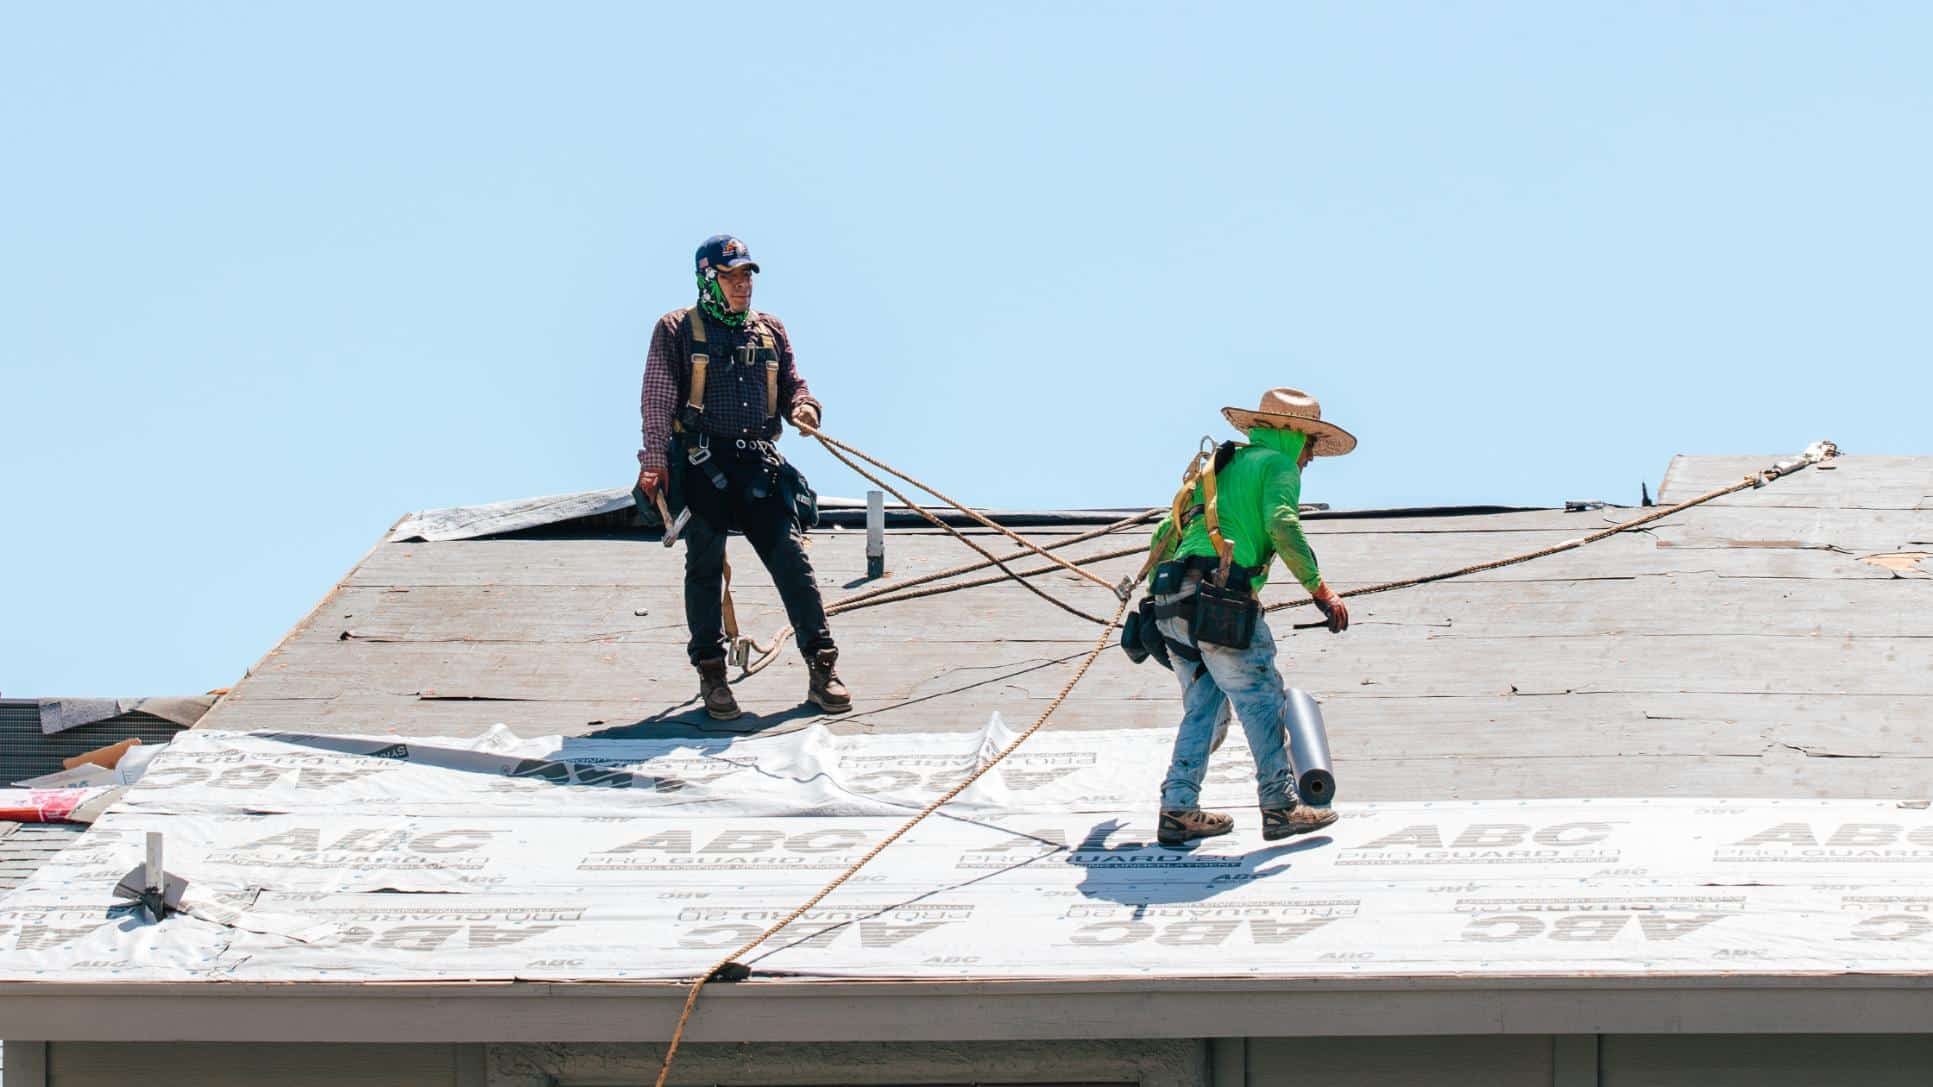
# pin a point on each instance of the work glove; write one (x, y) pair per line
(1332, 608)
(650, 481)
(805, 416)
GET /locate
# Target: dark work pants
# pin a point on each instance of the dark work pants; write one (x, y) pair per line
(752, 503)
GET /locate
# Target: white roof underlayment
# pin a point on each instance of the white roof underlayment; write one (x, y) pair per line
(317, 858)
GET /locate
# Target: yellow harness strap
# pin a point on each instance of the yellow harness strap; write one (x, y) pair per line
(700, 361)
(1209, 505)
(771, 378)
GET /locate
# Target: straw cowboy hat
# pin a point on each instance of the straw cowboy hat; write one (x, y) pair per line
(1293, 409)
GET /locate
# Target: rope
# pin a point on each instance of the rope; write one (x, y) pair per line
(899, 594)
(691, 999)
(938, 575)
(1814, 454)
(834, 445)
(769, 653)
(1818, 451)
(963, 537)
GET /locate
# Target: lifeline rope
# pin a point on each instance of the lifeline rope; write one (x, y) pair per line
(897, 594)
(1818, 451)
(770, 653)
(691, 999)
(1814, 454)
(833, 448)
(1125, 522)
(834, 445)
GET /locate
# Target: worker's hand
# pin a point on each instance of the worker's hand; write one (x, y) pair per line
(651, 481)
(1332, 607)
(806, 417)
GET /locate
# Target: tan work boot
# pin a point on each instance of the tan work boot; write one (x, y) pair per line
(716, 690)
(1279, 823)
(828, 691)
(1180, 826)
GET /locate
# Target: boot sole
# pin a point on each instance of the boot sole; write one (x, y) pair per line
(716, 716)
(845, 707)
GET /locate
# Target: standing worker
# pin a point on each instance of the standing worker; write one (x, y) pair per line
(718, 379)
(1238, 515)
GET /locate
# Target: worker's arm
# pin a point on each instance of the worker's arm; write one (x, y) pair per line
(794, 396)
(658, 402)
(1282, 505)
(1281, 510)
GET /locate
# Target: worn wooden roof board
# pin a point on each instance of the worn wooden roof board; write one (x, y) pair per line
(1752, 647)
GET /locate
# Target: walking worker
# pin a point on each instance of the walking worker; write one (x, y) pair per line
(718, 379)
(1240, 515)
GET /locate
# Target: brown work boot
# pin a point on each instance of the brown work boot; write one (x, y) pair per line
(1279, 823)
(716, 690)
(1180, 826)
(828, 691)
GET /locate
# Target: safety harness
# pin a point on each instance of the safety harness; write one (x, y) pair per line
(689, 430)
(1221, 608)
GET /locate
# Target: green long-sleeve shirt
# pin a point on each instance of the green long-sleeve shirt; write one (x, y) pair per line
(1259, 502)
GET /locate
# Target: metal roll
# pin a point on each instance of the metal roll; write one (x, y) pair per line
(1309, 749)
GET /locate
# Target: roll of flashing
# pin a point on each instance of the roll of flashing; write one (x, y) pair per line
(1309, 749)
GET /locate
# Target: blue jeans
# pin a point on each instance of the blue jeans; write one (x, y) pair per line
(1248, 679)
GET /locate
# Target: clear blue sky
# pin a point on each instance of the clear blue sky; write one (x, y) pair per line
(272, 276)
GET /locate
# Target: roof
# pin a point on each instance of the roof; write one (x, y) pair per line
(1751, 647)
(1673, 780)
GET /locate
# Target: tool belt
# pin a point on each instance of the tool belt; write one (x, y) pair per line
(1223, 615)
(1216, 615)
(1219, 606)
(708, 456)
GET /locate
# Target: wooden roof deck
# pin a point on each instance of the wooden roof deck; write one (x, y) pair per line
(1758, 646)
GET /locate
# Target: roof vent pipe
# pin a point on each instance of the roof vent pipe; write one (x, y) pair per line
(875, 535)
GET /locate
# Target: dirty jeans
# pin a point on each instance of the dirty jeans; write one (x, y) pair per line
(1248, 679)
(750, 503)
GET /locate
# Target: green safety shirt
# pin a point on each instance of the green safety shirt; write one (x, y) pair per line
(1259, 496)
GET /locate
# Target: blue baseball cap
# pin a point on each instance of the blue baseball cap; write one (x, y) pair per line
(722, 251)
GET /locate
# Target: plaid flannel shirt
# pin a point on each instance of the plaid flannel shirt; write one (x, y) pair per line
(734, 398)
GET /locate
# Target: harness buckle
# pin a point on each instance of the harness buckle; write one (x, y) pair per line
(700, 451)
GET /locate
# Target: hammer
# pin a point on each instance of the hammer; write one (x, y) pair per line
(672, 526)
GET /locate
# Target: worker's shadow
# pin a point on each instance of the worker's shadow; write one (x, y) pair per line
(1146, 873)
(688, 720)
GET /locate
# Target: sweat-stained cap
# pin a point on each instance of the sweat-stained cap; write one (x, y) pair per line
(722, 251)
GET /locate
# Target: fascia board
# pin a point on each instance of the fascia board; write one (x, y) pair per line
(962, 1011)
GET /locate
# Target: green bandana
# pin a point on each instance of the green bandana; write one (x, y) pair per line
(711, 299)
(1288, 442)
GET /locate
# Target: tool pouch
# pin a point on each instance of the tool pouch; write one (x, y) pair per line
(1131, 631)
(799, 495)
(1225, 617)
(1141, 639)
(674, 480)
